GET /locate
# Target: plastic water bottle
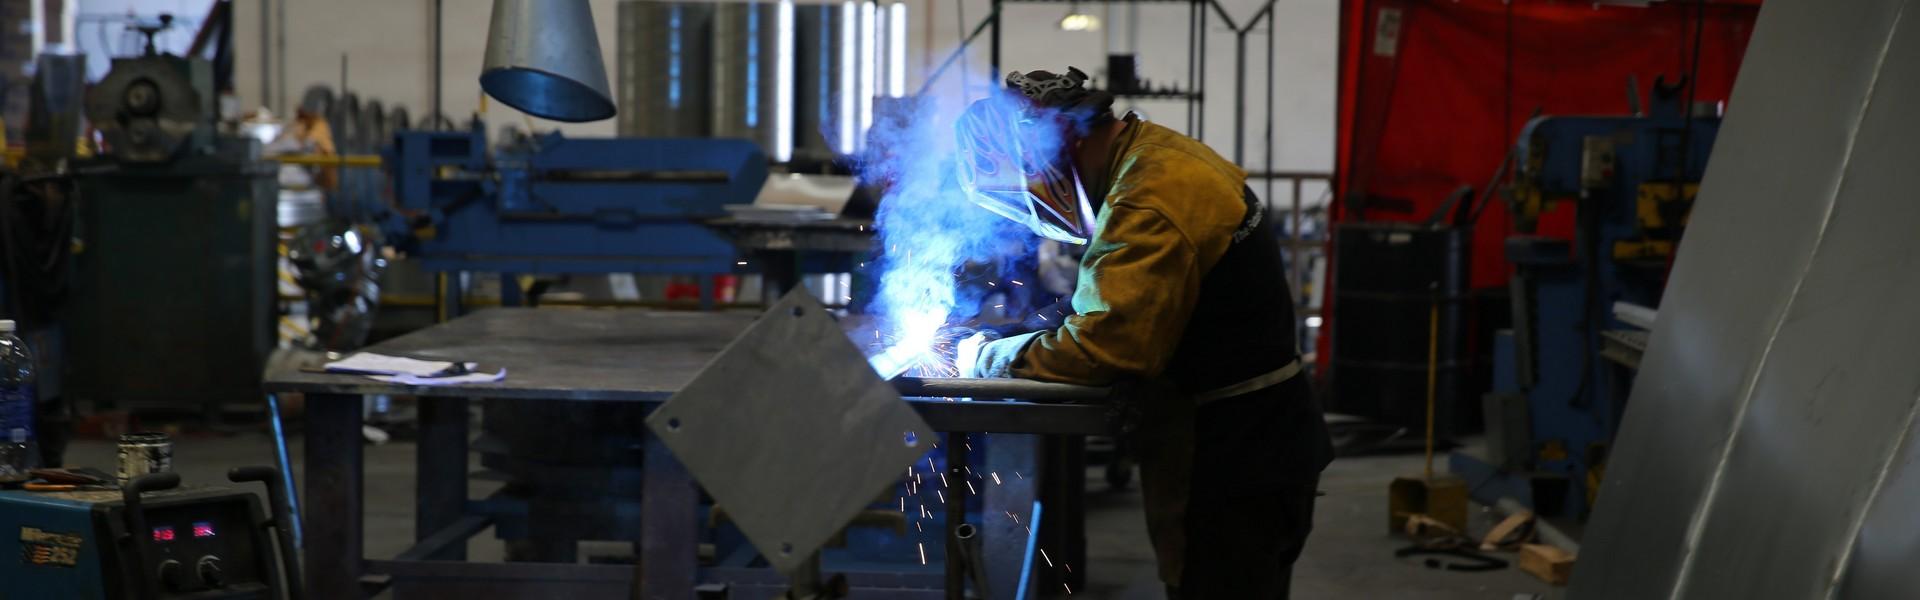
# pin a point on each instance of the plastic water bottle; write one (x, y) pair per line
(17, 400)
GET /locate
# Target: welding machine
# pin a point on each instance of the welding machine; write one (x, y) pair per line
(153, 539)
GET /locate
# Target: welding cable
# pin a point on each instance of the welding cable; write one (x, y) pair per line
(1476, 562)
(1033, 542)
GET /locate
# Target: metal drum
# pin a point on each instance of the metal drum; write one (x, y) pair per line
(746, 63)
(665, 74)
(823, 84)
(373, 126)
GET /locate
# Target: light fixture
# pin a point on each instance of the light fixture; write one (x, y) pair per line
(1078, 21)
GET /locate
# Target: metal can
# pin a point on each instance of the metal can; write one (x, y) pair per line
(143, 453)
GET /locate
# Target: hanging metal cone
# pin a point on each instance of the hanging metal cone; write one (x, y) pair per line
(543, 58)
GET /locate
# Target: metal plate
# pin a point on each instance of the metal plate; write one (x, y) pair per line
(791, 431)
(1765, 453)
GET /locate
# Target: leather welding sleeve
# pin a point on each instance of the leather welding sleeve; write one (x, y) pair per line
(1139, 282)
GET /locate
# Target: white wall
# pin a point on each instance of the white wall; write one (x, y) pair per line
(1305, 82)
(100, 32)
(389, 46)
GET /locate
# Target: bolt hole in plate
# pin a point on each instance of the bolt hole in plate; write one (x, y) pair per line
(792, 430)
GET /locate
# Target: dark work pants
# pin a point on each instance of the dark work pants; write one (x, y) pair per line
(1256, 461)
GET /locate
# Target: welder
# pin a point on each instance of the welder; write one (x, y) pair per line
(1182, 289)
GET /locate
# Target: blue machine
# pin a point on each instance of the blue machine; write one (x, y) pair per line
(1629, 184)
(151, 541)
(552, 204)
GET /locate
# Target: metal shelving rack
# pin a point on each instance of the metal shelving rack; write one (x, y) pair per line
(1194, 94)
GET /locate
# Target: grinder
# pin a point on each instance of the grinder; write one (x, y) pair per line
(153, 539)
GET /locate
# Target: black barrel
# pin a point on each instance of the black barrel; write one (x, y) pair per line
(1387, 279)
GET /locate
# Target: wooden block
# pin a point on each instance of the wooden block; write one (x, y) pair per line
(1549, 563)
(1443, 498)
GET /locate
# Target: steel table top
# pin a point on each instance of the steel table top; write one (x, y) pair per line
(630, 355)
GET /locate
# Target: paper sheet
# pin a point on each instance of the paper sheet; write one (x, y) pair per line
(449, 380)
(368, 363)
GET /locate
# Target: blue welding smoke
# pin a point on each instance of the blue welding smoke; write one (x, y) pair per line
(930, 232)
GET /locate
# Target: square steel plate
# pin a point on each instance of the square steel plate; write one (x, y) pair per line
(791, 430)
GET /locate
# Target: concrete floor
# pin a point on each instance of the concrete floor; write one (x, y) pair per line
(1349, 556)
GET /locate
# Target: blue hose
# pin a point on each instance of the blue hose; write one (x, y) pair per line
(1033, 542)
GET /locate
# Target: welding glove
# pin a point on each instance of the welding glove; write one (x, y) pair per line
(995, 357)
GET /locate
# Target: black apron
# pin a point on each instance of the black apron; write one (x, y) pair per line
(1229, 484)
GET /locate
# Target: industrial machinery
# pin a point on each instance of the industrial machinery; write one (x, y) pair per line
(1604, 201)
(172, 290)
(568, 205)
(152, 540)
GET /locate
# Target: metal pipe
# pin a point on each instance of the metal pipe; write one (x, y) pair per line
(1193, 40)
(266, 62)
(1239, 97)
(1200, 85)
(959, 53)
(280, 57)
(1273, 31)
(438, 84)
(993, 59)
(1021, 389)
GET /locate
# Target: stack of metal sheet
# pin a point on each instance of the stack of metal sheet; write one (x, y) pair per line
(1766, 451)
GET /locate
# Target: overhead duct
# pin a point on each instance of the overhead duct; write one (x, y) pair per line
(543, 58)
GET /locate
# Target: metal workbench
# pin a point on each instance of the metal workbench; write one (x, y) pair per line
(559, 355)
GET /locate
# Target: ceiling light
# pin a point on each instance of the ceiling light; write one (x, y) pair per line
(1078, 21)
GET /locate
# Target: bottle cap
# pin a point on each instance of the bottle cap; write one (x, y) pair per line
(7, 326)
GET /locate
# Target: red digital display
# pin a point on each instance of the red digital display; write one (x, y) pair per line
(203, 529)
(163, 534)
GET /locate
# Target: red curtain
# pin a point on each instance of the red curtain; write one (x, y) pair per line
(1432, 92)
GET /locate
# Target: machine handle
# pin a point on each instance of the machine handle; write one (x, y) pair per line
(281, 521)
(137, 525)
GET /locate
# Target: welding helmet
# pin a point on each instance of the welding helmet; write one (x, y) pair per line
(1015, 159)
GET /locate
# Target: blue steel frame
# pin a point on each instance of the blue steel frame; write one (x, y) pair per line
(1577, 398)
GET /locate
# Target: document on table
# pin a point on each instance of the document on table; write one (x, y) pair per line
(368, 363)
(444, 380)
(412, 371)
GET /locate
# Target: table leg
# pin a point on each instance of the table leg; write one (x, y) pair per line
(779, 273)
(440, 467)
(956, 581)
(1064, 532)
(668, 534)
(333, 479)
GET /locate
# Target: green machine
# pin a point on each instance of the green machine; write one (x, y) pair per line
(172, 294)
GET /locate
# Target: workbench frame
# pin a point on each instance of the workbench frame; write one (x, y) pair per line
(445, 518)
